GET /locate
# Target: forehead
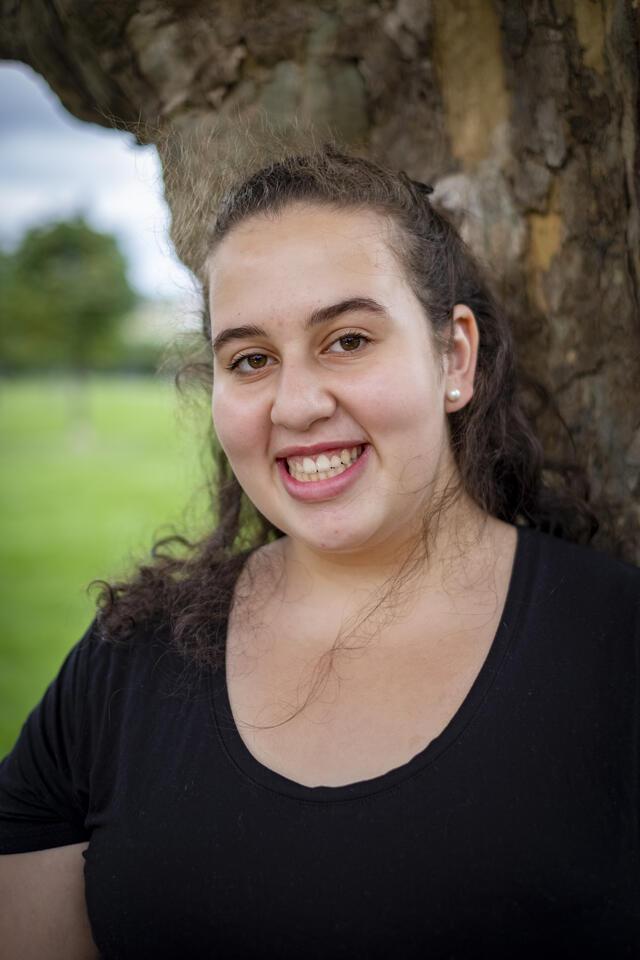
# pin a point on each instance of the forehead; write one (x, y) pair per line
(301, 256)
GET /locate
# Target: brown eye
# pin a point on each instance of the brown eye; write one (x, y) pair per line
(250, 361)
(350, 342)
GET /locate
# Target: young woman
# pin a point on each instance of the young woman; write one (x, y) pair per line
(381, 710)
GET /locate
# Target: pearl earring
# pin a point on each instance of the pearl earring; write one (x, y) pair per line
(454, 394)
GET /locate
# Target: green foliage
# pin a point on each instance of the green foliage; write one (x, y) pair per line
(65, 294)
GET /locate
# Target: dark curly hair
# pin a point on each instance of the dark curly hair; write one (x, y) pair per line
(189, 585)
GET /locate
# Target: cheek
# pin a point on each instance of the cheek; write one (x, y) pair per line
(405, 417)
(239, 427)
(401, 401)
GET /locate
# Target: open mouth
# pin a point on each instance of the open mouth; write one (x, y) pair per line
(330, 463)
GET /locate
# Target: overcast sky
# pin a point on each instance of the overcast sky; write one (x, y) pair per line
(52, 165)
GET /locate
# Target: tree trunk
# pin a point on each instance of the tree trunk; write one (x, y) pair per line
(523, 115)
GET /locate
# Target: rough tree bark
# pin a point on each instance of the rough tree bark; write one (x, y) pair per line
(523, 114)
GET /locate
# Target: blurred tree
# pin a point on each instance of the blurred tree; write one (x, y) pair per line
(65, 295)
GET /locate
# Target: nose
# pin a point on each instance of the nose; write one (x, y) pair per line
(301, 398)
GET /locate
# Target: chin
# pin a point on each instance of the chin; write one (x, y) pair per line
(328, 539)
(346, 545)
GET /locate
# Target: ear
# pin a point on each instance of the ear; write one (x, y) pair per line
(461, 358)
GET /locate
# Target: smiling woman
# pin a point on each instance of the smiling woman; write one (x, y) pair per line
(388, 705)
(339, 364)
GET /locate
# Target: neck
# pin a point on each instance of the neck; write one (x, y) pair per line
(348, 578)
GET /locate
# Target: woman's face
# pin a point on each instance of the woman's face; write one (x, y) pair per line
(328, 398)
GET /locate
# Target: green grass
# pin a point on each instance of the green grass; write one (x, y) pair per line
(88, 477)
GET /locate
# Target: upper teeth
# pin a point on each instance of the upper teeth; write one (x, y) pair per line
(325, 461)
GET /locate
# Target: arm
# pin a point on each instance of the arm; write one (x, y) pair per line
(43, 913)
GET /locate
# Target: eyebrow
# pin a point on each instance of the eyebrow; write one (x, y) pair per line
(315, 319)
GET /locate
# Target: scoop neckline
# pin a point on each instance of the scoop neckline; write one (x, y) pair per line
(253, 770)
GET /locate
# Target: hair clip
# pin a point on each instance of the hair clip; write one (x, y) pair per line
(425, 188)
(416, 186)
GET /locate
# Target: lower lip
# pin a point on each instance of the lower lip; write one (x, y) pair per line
(313, 490)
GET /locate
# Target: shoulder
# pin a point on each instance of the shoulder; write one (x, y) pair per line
(108, 705)
(581, 558)
(579, 580)
(100, 651)
(108, 687)
(102, 678)
(145, 654)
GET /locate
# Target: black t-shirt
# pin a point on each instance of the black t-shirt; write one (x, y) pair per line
(514, 832)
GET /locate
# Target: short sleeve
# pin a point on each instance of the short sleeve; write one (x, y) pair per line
(44, 780)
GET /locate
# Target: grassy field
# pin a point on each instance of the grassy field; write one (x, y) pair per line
(88, 477)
